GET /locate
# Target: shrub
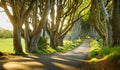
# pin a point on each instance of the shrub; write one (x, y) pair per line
(48, 50)
(60, 49)
(112, 53)
(42, 43)
(77, 42)
(44, 47)
(94, 48)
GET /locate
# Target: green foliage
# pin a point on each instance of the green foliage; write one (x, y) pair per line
(60, 49)
(42, 43)
(77, 42)
(6, 45)
(94, 48)
(48, 50)
(112, 53)
(99, 39)
(68, 45)
(44, 47)
(6, 33)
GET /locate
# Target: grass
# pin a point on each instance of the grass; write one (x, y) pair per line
(111, 53)
(6, 45)
(68, 46)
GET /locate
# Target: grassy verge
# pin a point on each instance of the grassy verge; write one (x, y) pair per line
(68, 45)
(6, 45)
(111, 53)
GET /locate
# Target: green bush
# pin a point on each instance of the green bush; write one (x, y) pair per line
(68, 45)
(104, 51)
(112, 53)
(60, 49)
(48, 50)
(44, 47)
(77, 42)
(42, 43)
(67, 42)
(94, 48)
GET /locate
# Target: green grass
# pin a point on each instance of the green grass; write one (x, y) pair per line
(68, 46)
(112, 53)
(6, 45)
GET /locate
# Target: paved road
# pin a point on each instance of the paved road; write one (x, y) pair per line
(63, 61)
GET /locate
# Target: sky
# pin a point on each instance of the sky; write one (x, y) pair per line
(4, 21)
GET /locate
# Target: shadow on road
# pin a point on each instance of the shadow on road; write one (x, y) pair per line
(63, 61)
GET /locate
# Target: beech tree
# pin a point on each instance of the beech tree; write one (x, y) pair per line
(115, 22)
(17, 17)
(21, 13)
(63, 15)
(100, 20)
(37, 19)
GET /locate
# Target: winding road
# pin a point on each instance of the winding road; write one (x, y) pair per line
(64, 61)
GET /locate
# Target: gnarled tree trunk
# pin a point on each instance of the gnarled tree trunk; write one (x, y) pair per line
(17, 39)
(115, 22)
(56, 41)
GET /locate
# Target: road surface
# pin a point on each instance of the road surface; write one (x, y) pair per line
(64, 61)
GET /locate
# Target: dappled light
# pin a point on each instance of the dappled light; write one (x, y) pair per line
(61, 61)
(59, 35)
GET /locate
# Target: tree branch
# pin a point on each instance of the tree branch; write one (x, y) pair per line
(27, 12)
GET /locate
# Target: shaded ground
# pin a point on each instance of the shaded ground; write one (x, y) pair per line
(63, 61)
(103, 64)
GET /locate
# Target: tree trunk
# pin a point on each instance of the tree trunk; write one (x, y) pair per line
(17, 39)
(27, 37)
(115, 22)
(56, 41)
(60, 42)
(108, 28)
(33, 45)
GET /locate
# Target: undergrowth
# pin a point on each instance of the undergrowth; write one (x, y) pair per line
(112, 53)
(68, 45)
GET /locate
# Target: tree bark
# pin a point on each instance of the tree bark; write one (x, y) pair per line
(33, 44)
(115, 22)
(56, 41)
(17, 39)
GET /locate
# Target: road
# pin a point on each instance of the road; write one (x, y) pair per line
(64, 61)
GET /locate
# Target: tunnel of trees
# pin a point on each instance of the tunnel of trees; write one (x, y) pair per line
(59, 18)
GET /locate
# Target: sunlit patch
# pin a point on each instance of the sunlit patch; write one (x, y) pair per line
(13, 65)
(10, 9)
(31, 27)
(21, 65)
(23, 26)
(64, 67)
